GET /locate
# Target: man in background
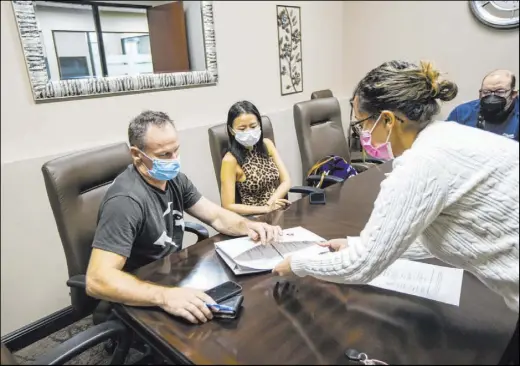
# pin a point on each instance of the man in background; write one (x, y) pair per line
(496, 110)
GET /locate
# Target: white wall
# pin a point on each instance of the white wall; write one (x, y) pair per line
(33, 269)
(444, 32)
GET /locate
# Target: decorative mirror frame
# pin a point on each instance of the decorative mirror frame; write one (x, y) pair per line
(49, 90)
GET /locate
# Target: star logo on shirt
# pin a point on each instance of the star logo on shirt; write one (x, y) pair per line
(168, 210)
(164, 239)
(178, 220)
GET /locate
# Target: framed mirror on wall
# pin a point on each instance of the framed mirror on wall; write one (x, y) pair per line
(81, 48)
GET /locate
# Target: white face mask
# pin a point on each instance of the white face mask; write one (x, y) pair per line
(248, 138)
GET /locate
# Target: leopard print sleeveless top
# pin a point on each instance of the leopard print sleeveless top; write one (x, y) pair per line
(262, 179)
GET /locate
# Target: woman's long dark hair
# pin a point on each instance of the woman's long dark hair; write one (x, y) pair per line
(236, 149)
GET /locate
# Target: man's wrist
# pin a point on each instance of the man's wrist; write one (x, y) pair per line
(159, 296)
(243, 227)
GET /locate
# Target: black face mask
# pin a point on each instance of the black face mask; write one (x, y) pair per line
(493, 109)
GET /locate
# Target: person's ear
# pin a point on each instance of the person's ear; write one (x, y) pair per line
(231, 131)
(136, 154)
(388, 118)
(514, 94)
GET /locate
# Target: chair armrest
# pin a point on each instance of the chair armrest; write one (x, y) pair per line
(88, 339)
(312, 179)
(361, 167)
(367, 160)
(77, 281)
(304, 189)
(197, 229)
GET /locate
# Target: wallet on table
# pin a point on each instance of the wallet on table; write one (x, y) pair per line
(234, 303)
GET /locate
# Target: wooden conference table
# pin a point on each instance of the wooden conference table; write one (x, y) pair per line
(306, 321)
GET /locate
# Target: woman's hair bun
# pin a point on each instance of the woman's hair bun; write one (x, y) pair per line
(444, 90)
(447, 90)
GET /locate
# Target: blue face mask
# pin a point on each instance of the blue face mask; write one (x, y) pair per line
(163, 169)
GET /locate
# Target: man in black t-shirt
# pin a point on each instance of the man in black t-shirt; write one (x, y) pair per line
(141, 218)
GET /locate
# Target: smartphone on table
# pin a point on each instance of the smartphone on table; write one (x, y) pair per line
(224, 291)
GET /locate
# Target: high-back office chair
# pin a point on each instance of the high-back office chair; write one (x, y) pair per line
(320, 133)
(219, 143)
(353, 139)
(326, 93)
(76, 185)
(79, 343)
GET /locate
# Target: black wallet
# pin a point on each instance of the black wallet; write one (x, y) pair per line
(234, 303)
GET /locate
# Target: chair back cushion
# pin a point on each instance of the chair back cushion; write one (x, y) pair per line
(326, 93)
(319, 131)
(219, 143)
(76, 184)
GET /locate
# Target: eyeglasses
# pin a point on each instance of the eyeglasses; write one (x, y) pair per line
(357, 127)
(499, 92)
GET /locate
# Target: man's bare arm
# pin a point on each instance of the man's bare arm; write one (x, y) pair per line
(229, 223)
(222, 220)
(106, 280)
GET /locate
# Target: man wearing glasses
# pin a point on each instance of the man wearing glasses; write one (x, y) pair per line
(496, 110)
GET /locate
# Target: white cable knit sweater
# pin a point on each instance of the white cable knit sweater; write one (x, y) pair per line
(455, 194)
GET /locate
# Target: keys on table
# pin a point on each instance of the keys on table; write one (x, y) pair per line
(356, 356)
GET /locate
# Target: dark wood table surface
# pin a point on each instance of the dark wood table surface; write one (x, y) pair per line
(306, 321)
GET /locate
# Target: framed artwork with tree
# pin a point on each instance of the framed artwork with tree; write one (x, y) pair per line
(290, 49)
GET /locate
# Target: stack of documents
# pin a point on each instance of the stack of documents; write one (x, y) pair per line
(244, 256)
(428, 281)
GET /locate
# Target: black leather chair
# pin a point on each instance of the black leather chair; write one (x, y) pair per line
(319, 131)
(219, 143)
(76, 184)
(353, 138)
(326, 93)
(79, 343)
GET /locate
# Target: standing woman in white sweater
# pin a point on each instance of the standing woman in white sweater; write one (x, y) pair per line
(452, 193)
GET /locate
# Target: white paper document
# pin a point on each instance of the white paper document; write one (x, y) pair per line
(245, 256)
(424, 280)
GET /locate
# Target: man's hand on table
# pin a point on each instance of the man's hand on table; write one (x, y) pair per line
(187, 303)
(265, 233)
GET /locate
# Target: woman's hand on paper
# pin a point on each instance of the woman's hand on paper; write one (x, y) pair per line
(283, 268)
(334, 245)
(265, 233)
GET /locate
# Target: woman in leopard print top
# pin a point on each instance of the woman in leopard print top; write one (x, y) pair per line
(252, 168)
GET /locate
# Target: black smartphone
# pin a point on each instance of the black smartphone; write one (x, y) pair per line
(224, 291)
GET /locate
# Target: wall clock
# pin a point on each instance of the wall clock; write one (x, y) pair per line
(496, 14)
